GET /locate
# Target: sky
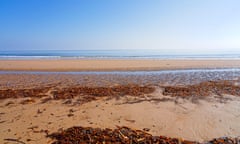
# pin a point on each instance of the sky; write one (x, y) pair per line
(191, 26)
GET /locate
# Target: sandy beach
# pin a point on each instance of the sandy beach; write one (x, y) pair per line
(113, 64)
(119, 72)
(191, 105)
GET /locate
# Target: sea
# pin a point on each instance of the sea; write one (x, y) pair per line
(168, 77)
(109, 54)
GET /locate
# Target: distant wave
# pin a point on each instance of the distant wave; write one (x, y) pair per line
(119, 57)
(29, 57)
(108, 54)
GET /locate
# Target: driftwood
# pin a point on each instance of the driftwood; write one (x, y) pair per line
(14, 140)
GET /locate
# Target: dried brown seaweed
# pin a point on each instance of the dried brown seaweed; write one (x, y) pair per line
(203, 89)
(86, 93)
(122, 135)
(120, 90)
(20, 93)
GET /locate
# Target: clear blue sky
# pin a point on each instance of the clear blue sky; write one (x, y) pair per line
(179, 25)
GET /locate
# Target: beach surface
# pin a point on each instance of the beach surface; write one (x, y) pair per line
(114, 64)
(197, 105)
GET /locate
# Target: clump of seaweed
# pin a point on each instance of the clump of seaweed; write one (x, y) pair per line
(121, 90)
(122, 135)
(85, 94)
(71, 92)
(21, 93)
(204, 89)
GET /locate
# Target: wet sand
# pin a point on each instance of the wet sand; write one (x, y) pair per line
(192, 105)
(113, 64)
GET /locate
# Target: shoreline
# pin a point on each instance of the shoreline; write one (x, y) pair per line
(113, 64)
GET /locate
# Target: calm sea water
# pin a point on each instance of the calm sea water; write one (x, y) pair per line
(122, 54)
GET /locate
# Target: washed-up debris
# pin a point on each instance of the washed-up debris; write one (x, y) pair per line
(204, 89)
(86, 93)
(33, 127)
(70, 115)
(28, 101)
(119, 90)
(225, 140)
(21, 93)
(46, 99)
(146, 129)
(122, 135)
(9, 103)
(39, 111)
(2, 121)
(15, 140)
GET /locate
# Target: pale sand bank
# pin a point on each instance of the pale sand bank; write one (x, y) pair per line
(113, 64)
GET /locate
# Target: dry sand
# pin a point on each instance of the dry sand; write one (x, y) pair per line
(113, 64)
(200, 121)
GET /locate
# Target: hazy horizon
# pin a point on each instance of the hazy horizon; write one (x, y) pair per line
(186, 26)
